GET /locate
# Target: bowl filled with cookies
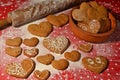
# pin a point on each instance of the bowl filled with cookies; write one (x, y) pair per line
(92, 22)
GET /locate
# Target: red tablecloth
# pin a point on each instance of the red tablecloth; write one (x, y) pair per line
(109, 49)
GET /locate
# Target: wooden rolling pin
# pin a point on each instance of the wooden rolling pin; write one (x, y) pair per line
(37, 11)
(4, 23)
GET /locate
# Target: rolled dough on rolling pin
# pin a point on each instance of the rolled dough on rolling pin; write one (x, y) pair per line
(39, 10)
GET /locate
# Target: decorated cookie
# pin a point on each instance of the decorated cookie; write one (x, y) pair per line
(58, 20)
(16, 51)
(57, 45)
(14, 41)
(20, 70)
(31, 42)
(96, 64)
(45, 59)
(42, 75)
(92, 26)
(60, 64)
(42, 30)
(85, 47)
(31, 52)
(72, 56)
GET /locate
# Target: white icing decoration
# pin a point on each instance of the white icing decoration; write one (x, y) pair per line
(90, 61)
(16, 69)
(31, 51)
(58, 44)
(98, 60)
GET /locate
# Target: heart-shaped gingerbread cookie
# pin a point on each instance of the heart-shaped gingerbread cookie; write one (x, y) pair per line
(42, 75)
(80, 14)
(14, 42)
(60, 64)
(16, 51)
(72, 56)
(31, 42)
(92, 26)
(42, 30)
(31, 52)
(58, 20)
(57, 45)
(21, 70)
(97, 64)
(45, 59)
(85, 47)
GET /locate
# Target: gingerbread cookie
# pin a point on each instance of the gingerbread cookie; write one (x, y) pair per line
(14, 41)
(20, 70)
(16, 51)
(31, 42)
(96, 11)
(105, 25)
(94, 4)
(57, 45)
(85, 47)
(45, 59)
(60, 64)
(31, 52)
(92, 26)
(72, 56)
(96, 64)
(58, 20)
(80, 13)
(42, 75)
(42, 30)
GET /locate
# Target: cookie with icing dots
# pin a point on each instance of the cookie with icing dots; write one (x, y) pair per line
(20, 69)
(31, 52)
(57, 45)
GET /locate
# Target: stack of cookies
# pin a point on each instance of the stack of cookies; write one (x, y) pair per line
(92, 17)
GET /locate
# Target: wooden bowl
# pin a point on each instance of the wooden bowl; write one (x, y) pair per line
(92, 37)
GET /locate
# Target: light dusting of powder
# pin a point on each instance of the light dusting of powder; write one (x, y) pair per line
(15, 69)
(6, 4)
(58, 44)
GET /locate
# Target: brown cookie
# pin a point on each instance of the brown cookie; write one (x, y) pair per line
(57, 45)
(94, 4)
(42, 75)
(31, 52)
(80, 13)
(42, 30)
(85, 47)
(45, 59)
(97, 11)
(31, 42)
(96, 64)
(102, 12)
(58, 20)
(105, 25)
(20, 70)
(14, 41)
(60, 64)
(92, 13)
(72, 56)
(92, 26)
(16, 51)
